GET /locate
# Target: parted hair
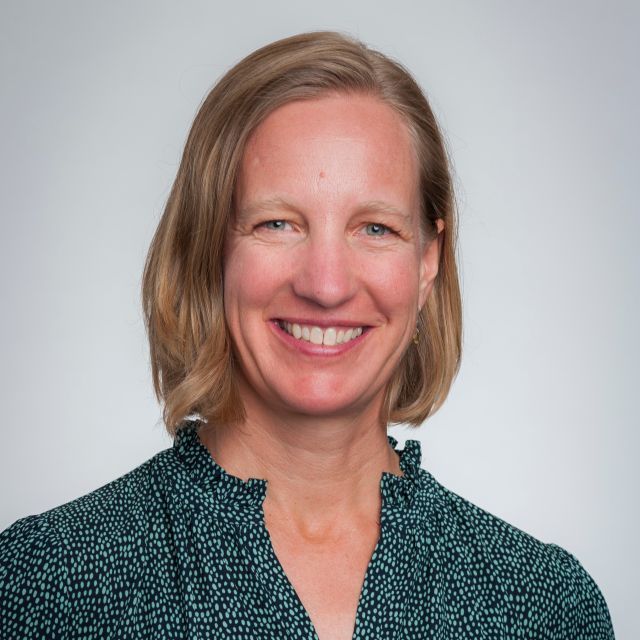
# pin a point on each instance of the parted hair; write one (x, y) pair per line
(192, 356)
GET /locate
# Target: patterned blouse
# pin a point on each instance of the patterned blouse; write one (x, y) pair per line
(178, 548)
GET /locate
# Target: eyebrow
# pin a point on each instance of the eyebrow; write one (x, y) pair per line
(372, 206)
(379, 206)
(267, 203)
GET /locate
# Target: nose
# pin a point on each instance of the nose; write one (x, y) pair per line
(325, 272)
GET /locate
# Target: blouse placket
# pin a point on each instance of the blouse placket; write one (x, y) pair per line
(238, 507)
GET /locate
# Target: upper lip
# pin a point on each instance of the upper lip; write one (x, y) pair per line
(324, 323)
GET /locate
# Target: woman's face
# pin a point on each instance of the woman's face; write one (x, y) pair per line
(324, 266)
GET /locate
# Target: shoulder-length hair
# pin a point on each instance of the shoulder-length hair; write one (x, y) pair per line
(192, 358)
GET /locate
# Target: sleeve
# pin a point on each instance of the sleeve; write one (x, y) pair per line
(34, 580)
(586, 615)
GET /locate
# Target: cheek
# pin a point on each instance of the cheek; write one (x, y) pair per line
(395, 282)
(250, 280)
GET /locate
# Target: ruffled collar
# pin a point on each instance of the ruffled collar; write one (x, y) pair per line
(398, 492)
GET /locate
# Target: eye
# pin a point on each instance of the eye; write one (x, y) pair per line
(273, 225)
(377, 229)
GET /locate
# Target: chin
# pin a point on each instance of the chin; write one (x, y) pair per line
(323, 405)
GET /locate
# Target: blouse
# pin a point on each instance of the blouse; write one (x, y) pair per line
(177, 548)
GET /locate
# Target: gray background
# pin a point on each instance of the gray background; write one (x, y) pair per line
(538, 101)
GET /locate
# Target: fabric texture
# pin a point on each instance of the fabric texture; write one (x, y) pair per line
(177, 548)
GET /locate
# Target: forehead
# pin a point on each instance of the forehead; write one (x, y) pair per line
(340, 145)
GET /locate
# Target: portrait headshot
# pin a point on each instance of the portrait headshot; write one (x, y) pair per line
(320, 322)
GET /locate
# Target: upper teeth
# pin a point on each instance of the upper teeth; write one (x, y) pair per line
(329, 336)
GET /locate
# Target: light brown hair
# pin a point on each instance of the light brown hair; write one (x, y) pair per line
(192, 358)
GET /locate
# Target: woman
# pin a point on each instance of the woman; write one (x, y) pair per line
(300, 294)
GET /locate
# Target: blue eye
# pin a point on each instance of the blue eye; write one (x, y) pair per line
(274, 225)
(375, 229)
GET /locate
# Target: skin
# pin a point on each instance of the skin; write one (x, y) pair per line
(302, 246)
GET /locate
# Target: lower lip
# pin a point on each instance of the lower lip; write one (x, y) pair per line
(311, 349)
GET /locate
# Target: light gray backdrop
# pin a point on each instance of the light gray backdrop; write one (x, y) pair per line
(539, 102)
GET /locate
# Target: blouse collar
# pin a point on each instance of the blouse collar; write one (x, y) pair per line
(398, 492)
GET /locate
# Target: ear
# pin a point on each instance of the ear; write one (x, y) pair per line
(429, 262)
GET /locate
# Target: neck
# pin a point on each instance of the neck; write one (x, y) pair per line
(323, 473)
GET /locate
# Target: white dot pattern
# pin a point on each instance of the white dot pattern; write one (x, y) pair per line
(177, 548)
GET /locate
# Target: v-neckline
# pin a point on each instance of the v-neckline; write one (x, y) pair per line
(390, 569)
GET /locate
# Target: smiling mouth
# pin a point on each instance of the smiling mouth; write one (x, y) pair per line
(328, 336)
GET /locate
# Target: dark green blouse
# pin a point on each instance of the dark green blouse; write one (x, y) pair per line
(177, 548)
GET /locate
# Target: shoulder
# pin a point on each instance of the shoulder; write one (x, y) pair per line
(115, 509)
(52, 562)
(529, 581)
(109, 512)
